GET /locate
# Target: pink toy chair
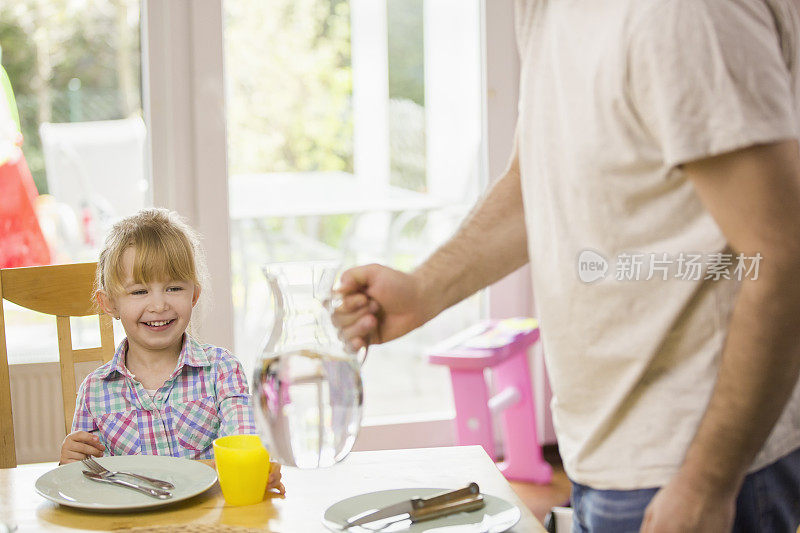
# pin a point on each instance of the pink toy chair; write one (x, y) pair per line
(501, 346)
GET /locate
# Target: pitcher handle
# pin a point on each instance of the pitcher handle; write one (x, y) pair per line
(330, 303)
(324, 280)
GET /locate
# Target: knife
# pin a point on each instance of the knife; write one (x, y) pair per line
(418, 509)
(155, 493)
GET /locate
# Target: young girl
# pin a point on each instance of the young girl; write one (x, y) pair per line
(163, 393)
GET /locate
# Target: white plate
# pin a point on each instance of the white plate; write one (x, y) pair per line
(496, 516)
(66, 484)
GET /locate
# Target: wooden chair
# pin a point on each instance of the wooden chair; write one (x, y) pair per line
(63, 291)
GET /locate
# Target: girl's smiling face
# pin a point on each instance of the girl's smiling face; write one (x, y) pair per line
(154, 314)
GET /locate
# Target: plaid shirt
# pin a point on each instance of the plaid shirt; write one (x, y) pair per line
(204, 398)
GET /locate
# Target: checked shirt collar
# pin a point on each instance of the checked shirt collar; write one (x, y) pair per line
(191, 354)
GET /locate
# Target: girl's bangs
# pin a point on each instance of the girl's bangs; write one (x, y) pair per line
(165, 258)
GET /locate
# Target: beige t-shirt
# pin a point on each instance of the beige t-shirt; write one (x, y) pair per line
(613, 96)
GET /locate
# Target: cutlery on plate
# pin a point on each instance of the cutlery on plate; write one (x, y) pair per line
(99, 469)
(155, 493)
(418, 509)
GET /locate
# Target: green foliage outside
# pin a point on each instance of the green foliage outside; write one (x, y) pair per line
(406, 73)
(407, 94)
(289, 89)
(289, 94)
(290, 85)
(70, 60)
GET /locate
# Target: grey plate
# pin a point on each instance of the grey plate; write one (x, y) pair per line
(496, 516)
(66, 485)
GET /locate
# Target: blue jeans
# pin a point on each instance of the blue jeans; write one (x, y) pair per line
(768, 502)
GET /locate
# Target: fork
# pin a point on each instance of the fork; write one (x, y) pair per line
(100, 470)
(155, 493)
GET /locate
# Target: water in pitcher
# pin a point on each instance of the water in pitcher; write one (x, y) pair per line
(309, 406)
(307, 392)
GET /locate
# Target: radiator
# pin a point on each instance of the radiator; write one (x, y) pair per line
(38, 413)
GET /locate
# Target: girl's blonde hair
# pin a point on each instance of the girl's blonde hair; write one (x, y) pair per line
(167, 248)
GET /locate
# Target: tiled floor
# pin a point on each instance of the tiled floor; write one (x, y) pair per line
(540, 498)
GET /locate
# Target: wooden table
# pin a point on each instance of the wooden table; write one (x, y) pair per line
(308, 494)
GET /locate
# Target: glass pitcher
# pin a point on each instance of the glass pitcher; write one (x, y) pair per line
(307, 390)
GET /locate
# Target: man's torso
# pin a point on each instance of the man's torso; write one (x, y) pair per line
(633, 360)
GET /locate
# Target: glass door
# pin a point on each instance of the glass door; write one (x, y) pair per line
(354, 135)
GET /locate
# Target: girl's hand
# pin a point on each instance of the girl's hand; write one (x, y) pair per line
(79, 444)
(274, 482)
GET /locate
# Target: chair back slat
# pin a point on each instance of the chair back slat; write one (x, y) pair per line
(63, 291)
(67, 365)
(59, 290)
(87, 355)
(107, 337)
(8, 454)
(69, 356)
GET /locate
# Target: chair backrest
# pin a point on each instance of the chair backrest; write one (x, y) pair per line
(63, 291)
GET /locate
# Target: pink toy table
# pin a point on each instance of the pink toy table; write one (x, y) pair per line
(501, 346)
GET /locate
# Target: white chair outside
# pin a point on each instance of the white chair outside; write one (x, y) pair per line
(97, 165)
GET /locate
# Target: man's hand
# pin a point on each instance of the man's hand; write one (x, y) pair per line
(78, 445)
(684, 506)
(379, 304)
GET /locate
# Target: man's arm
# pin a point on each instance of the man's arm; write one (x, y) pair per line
(381, 304)
(489, 244)
(754, 195)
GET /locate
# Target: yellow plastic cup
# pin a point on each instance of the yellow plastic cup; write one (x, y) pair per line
(243, 468)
